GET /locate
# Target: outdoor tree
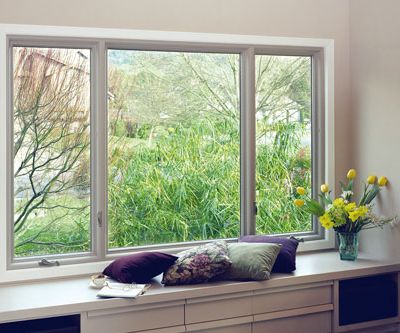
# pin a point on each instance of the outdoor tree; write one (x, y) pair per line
(51, 145)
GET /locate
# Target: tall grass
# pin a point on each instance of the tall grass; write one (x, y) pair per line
(281, 167)
(57, 230)
(183, 187)
(186, 186)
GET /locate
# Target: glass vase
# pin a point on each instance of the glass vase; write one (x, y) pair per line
(348, 245)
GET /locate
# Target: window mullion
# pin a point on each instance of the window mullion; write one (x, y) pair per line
(100, 107)
(247, 142)
(318, 132)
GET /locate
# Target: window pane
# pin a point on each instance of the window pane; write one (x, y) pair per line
(173, 147)
(283, 138)
(51, 108)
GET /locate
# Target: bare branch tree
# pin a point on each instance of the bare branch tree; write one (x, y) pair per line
(51, 132)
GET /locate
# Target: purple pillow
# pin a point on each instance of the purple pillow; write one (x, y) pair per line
(139, 267)
(286, 261)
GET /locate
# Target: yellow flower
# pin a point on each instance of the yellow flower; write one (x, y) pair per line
(324, 188)
(354, 215)
(350, 207)
(300, 190)
(299, 202)
(326, 221)
(357, 213)
(363, 210)
(328, 225)
(351, 174)
(382, 181)
(339, 202)
(371, 179)
(324, 218)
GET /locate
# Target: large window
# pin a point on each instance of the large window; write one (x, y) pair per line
(122, 145)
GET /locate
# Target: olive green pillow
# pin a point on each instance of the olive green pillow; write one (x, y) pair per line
(251, 261)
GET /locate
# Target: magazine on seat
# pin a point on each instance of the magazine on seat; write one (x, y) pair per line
(124, 290)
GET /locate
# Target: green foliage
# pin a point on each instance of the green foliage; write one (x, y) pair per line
(184, 187)
(282, 167)
(61, 229)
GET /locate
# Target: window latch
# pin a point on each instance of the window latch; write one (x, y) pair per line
(255, 208)
(48, 263)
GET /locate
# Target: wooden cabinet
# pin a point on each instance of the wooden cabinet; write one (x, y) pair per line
(302, 308)
(313, 307)
(316, 298)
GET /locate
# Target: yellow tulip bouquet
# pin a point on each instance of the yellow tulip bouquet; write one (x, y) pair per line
(342, 214)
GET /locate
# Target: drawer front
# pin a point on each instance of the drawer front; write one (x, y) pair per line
(311, 323)
(176, 329)
(209, 309)
(127, 320)
(292, 299)
(245, 328)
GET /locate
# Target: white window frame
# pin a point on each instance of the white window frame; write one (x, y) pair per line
(99, 40)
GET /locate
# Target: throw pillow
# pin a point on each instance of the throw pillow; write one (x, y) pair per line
(286, 261)
(199, 264)
(139, 267)
(251, 261)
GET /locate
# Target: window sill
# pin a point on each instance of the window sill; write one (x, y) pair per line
(22, 273)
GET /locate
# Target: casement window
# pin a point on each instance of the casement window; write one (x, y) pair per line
(125, 145)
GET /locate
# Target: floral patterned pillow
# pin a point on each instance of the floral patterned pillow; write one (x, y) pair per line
(199, 264)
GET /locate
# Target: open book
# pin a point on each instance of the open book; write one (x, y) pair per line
(125, 290)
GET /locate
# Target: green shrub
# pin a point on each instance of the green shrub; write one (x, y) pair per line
(186, 185)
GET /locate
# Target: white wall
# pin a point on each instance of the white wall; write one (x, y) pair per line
(366, 136)
(294, 18)
(375, 90)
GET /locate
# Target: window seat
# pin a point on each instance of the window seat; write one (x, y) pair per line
(315, 271)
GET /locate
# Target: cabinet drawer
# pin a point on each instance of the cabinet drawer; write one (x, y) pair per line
(291, 298)
(245, 328)
(175, 329)
(310, 323)
(234, 325)
(133, 318)
(216, 308)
